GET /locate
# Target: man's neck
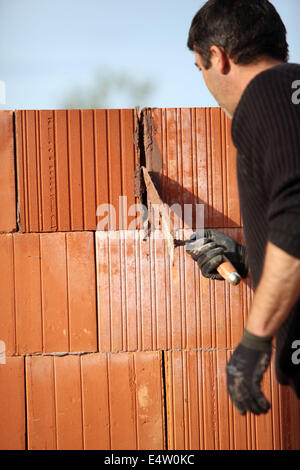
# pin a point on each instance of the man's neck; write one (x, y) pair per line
(247, 73)
(244, 74)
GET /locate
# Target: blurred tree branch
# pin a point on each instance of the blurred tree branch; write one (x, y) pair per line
(107, 86)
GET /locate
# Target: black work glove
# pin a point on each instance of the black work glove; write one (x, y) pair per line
(208, 250)
(245, 371)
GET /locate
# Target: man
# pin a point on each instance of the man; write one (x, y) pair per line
(240, 47)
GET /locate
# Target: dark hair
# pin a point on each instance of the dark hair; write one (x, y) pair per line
(245, 29)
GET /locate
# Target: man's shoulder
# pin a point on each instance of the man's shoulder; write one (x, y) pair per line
(281, 73)
(267, 101)
(269, 90)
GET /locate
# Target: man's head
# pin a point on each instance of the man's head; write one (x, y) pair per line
(233, 40)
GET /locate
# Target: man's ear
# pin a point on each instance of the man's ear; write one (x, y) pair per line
(220, 59)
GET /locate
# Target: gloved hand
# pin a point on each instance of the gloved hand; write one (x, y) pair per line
(245, 371)
(208, 250)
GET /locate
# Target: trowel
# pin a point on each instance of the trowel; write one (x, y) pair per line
(226, 269)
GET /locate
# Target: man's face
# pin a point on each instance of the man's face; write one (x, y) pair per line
(208, 74)
(214, 81)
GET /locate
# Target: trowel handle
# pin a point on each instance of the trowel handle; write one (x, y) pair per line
(228, 272)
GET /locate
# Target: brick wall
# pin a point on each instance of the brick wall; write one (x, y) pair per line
(108, 345)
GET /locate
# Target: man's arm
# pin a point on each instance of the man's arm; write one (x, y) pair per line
(274, 298)
(276, 294)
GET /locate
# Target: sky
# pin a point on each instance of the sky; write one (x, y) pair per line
(50, 47)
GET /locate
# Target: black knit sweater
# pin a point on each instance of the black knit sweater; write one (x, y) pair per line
(266, 132)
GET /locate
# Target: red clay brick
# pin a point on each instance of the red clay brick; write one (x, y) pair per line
(12, 406)
(142, 411)
(201, 415)
(54, 280)
(150, 405)
(95, 401)
(121, 381)
(8, 221)
(7, 294)
(28, 293)
(49, 292)
(144, 304)
(198, 159)
(68, 403)
(81, 291)
(69, 163)
(88, 168)
(41, 412)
